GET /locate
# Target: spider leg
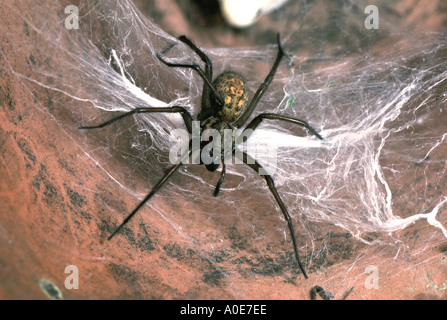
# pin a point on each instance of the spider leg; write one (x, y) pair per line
(270, 183)
(262, 88)
(206, 103)
(272, 116)
(207, 82)
(153, 191)
(222, 177)
(176, 109)
(202, 55)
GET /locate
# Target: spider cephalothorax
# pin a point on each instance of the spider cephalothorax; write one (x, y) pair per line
(225, 105)
(222, 130)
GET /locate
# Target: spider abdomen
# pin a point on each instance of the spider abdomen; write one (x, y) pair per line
(234, 92)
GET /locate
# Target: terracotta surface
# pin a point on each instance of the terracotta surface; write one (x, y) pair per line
(58, 206)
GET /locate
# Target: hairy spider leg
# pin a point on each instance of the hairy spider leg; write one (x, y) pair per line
(262, 88)
(221, 179)
(206, 103)
(201, 54)
(256, 166)
(271, 184)
(188, 122)
(175, 109)
(207, 76)
(272, 116)
(150, 194)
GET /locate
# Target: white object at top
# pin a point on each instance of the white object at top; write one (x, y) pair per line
(243, 13)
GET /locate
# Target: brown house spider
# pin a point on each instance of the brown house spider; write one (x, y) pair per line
(225, 105)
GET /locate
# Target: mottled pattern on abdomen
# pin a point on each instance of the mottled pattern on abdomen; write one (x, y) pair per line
(233, 91)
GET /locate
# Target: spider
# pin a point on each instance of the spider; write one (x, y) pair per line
(224, 105)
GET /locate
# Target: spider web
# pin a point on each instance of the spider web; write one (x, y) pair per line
(380, 170)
